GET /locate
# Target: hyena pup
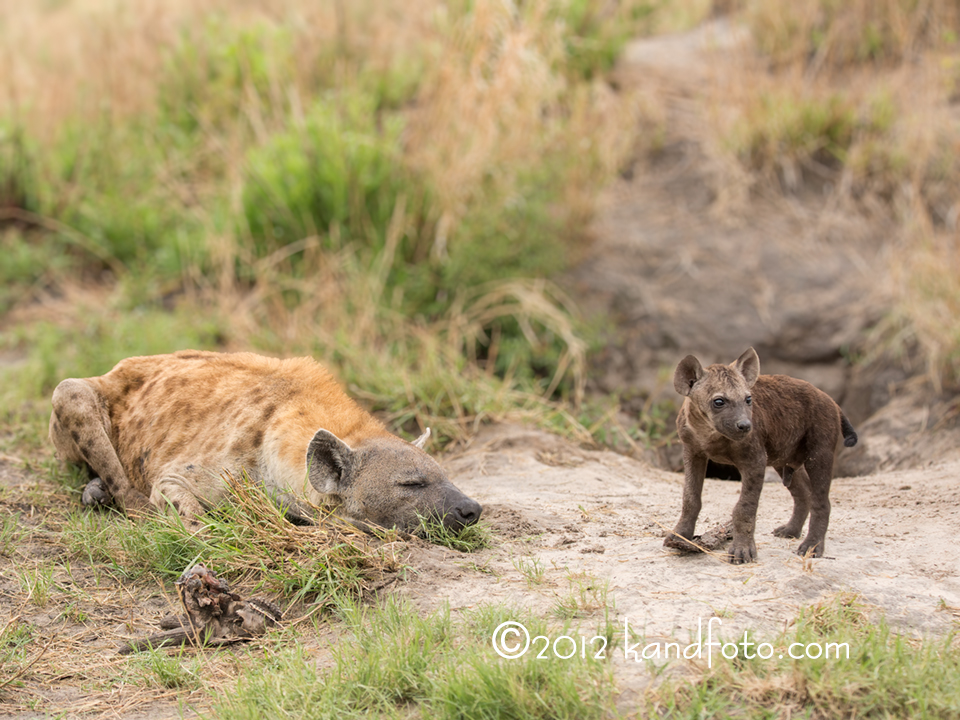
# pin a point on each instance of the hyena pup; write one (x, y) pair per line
(162, 431)
(734, 415)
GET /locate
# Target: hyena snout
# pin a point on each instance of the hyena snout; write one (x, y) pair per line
(734, 426)
(459, 511)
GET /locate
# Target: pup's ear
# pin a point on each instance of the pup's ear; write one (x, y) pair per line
(687, 373)
(749, 366)
(329, 463)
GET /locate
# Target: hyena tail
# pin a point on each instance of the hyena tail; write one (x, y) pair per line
(849, 434)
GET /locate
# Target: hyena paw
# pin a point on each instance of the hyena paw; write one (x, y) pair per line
(678, 542)
(807, 545)
(742, 552)
(787, 531)
(95, 494)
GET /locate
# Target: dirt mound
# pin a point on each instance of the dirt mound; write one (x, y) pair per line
(675, 282)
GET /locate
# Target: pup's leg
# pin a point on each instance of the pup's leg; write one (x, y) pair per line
(800, 489)
(80, 431)
(820, 469)
(744, 548)
(694, 470)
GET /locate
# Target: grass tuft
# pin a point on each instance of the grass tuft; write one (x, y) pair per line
(839, 34)
(170, 672)
(586, 595)
(10, 533)
(885, 674)
(468, 539)
(401, 663)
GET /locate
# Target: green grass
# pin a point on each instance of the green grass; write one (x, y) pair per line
(400, 661)
(586, 595)
(783, 129)
(170, 672)
(339, 170)
(468, 539)
(37, 584)
(886, 674)
(17, 641)
(10, 533)
(532, 569)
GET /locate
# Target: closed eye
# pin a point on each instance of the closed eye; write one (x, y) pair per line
(412, 483)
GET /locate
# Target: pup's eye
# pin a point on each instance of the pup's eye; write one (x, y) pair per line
(719, 402)
(749, 400)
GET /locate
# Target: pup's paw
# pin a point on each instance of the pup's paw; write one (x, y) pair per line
(787, 531)
(811, 544)
(743, 551)
(677, 542)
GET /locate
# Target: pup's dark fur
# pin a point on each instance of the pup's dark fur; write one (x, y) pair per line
(736, 416)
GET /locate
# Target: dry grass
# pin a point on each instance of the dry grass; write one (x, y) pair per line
(109, 54)
(823, 34)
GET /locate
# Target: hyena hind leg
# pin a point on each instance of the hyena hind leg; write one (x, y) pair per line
(80, 431)
(799, 487)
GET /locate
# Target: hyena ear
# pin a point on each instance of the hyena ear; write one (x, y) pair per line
(329, 463)
(422, 440)
(749, 366)
(688, 372)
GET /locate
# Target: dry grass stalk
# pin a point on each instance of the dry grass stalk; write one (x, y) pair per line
(529, 302)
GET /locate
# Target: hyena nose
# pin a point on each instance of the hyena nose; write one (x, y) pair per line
(744, 426)
(468, 512)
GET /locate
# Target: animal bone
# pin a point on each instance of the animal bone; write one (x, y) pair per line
(215, 616)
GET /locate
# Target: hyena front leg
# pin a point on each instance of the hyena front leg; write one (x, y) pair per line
(188, 491)
(694, 471)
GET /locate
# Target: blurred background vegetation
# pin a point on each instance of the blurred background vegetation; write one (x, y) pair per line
(390, 186)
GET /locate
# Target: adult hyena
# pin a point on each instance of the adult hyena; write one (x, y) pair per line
(162, 430)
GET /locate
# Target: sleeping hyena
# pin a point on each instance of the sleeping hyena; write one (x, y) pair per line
(162, 430)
